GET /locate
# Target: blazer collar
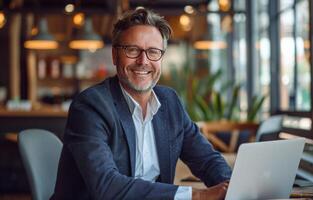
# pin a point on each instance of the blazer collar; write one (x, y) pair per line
(126, 120)
(160, 131)
(162, 140)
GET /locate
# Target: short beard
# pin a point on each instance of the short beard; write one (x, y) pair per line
(136, 89)
(125, 81)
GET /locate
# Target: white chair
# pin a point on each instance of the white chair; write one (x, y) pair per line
(40, 151)
(269, 129)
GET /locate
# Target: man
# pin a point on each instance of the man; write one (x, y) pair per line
(124, 136)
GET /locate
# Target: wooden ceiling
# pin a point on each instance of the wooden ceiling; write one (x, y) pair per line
(104, 14)
(98, 6)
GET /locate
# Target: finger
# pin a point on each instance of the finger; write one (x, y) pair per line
(225, 184)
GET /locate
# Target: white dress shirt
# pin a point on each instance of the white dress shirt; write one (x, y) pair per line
(147, 163)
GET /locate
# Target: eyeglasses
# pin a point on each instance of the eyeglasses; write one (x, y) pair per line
(153, 54)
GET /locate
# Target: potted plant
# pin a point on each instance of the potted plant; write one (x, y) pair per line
(205, 103)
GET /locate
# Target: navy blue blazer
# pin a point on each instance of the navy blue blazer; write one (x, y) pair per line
(98, 156)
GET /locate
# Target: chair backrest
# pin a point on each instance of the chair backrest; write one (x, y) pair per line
(40, 151)
(270, 128)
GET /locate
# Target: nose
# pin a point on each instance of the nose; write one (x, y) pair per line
(142, 59)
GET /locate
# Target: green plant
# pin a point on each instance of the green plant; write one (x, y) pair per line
(254, 108)
(203, 101)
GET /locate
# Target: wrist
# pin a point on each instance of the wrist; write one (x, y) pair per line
(196, 194)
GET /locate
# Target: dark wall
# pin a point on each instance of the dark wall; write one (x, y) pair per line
(5, 58)
(4, 55)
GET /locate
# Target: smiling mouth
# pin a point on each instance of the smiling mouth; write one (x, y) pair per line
(141, 73)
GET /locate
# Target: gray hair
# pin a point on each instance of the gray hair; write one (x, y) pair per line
(141, 16)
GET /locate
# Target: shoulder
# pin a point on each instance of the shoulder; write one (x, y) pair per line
(167, 95)
(165, 92)
(100, 91)
(96, 96)
(96, 102)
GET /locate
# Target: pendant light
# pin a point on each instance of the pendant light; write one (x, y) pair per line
(207, 43)
(87, 39)
(43, 39)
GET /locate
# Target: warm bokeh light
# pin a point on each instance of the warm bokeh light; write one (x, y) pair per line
(185, 22)
(2, 19)
(69, 59)
(69, 8)
(224, 5)
(86, 44)
(79, 19)
(204, 44)
(307, 44)
(34, 31)
(189, 9)
(41, 44)
(226, 24)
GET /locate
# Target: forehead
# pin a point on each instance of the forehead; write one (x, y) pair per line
(143, 36)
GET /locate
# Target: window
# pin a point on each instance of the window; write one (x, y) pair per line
(303, 100)
(287, 61)
(240, 60)
(284, 4)
(294, 82)
(262, 69)
(294, 66)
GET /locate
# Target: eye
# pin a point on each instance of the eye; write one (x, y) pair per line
(133, 50)
(154, 52)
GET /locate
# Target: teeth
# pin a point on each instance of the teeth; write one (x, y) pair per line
(141, 72)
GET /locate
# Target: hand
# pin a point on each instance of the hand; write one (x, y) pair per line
(216, 192)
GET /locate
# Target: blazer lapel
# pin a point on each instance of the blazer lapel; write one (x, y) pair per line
(162, 142)
(126, 121)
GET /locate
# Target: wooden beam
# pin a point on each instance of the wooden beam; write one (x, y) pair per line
(15, 33)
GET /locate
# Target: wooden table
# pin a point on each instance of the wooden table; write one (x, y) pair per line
(43, 117)
(209, 130)
(42, 111)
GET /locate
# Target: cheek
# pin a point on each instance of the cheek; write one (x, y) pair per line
(124, 62)
(158, 66)
(115, 56)
(120, 69)
(119, 64)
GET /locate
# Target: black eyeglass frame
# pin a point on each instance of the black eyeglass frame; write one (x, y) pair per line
(124, 47)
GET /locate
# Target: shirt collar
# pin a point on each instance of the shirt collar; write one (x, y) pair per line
(153, 103)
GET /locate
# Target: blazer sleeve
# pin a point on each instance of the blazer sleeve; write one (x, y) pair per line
(87, 139)
(199, 155)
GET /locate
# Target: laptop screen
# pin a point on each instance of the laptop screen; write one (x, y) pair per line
(265, 170)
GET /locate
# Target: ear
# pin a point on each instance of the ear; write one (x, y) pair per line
(114, 56)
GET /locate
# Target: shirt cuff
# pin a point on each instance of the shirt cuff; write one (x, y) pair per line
(183, 193)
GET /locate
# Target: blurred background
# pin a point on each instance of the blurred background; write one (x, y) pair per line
(229, 60)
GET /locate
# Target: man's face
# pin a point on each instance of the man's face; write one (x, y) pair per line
(138, 74)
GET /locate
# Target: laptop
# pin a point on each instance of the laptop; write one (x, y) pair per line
(265, 170)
